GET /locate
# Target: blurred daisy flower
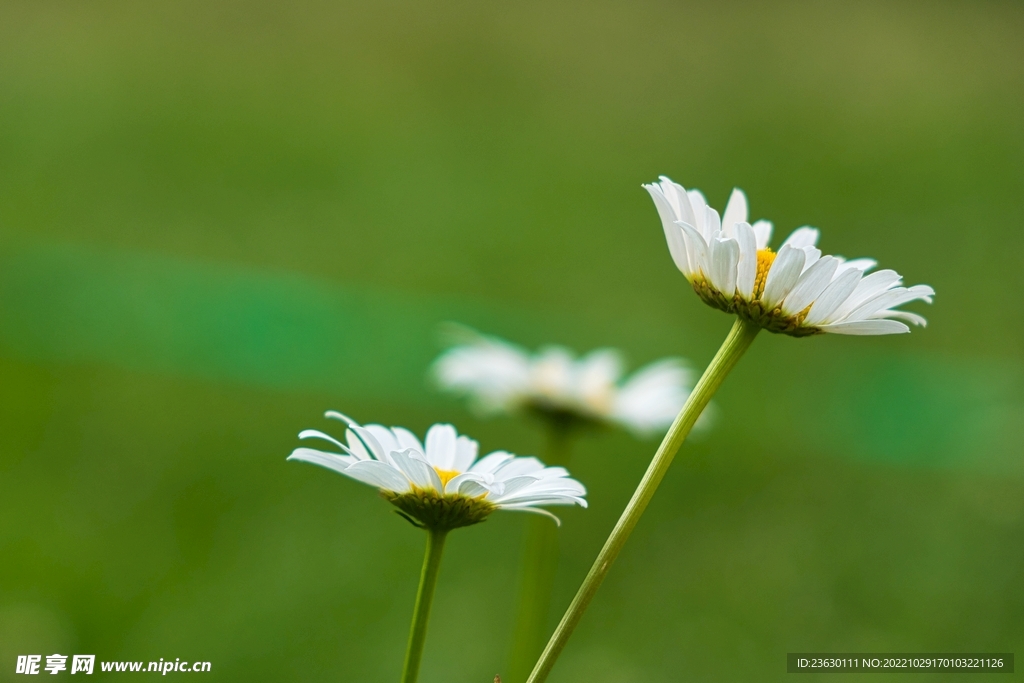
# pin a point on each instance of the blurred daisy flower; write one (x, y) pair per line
(500, 377)
(566, 392)
(794, 291)
(440, 483)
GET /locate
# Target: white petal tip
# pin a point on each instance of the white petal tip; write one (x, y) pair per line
(335, 415)
(536, 511)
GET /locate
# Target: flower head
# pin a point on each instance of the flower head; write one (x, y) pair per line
(442, 484)
(794, 291)
(501, 377)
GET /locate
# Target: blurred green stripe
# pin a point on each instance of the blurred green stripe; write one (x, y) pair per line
(927, 411)
(69, 304)
(146, 312)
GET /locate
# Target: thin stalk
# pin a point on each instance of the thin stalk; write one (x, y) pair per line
(537, 572)
(739, 339)
(424, 598)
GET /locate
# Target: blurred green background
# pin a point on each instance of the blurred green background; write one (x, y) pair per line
(218, 220)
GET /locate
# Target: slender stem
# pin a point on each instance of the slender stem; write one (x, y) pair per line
(537, 573)
(739, 339)
(424, 597)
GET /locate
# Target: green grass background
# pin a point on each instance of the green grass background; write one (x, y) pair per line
(218, 220)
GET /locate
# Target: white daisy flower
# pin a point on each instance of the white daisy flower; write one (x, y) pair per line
(442, 485)
(794, 291)
(500, 377)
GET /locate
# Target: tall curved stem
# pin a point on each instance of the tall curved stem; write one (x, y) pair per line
(424, 598)
(736, 343)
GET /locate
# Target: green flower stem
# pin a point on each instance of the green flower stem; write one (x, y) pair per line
(424, 598)
(537, 573)
(739, 339)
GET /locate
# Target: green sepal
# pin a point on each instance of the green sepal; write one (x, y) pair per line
(439, 512)
(754, 312)
(409, 519)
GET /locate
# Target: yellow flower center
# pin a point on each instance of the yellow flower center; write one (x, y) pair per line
(446, 475)
(765, 258)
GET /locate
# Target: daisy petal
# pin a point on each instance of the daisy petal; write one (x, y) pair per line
(735, 212)
(811, 256)
(332, 461)
(440, 443)
(699, 206)
(912, 318)
(407, 439)
(335, 415)
(356, 446)
(712, 224)
(465, 453)
(473, 488)
(698, 251)
(869, 287)
(811, 284)
(369, 441)
(892, 298)
(491, 462)
(763, 233)
(545, 499)
(783, 275)
(379, 474)
(866, 327)
(725, 254)
(803, 237)
(385, 437)
(746, 267)
(419, 473)
(674, 238)
(452, 487)
(678, 198)
(518, 466)
(317, 434)
(537, 511)
(514, 486)
(834, 295)
(861, 264)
